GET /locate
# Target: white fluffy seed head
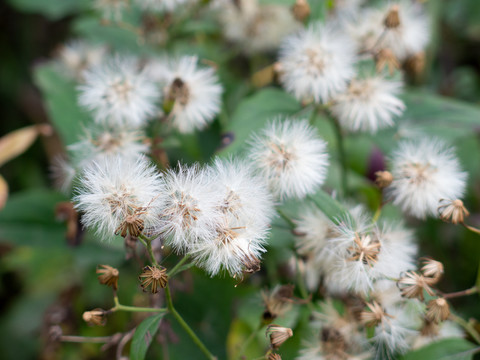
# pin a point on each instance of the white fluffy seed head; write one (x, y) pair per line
(408, 39)
(77, 55)
(425, 172)
(114, 188)
(103, 141)
(190, 207)
(247, 209)
(313, 230)
(161, 6)
(291, 157)
(316, 63)
(254, 27)
(193, 93)
(119, 93)
(368, 105)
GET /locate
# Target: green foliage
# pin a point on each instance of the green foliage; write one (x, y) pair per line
(447, 349)
(143, 336)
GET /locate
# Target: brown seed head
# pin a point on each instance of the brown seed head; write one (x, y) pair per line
(374, 315)
(154, 278)
(452, 211)
(412, 285)
(385, 58)
(301, 10)
(415, 64)
(392, 20)
(273, 356)
(429, 328)
(277, 302)
(108, 276)
(437, 310)
(365, 249)
(278, 335)
(383, 179)
(179, 91)
(96, 317)
(333, 343)
(432, 269)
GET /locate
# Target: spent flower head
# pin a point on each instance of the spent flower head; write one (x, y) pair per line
(291, 157)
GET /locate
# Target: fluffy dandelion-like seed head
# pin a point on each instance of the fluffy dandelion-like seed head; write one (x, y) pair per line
(452, 211)
(77, 56)
(117, 195)
(425, 172)
(192, 93)
(290, 157)
(118, 93)
(385, 58)
(374, 315)
(368, 105)
(190, 207)
(316, 63)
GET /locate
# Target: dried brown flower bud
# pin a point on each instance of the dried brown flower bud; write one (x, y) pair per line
(108, 276)
(412, 285)
(278, 335)
(432, 269)
(437, 310)
(385, 58)
(392, 20)
(415, 64)
(301, 10)
(273, 356)
(277, 302)
(96, 317)
(452, 211)
(374, 315)
(333, 343)
(383, 179)
(132, 224)
(429, 328)
(154, 277)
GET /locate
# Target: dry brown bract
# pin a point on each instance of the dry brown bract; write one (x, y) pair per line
(412, 285)
(108, 276)
(437, 310)
(452, 211)
(154, 278)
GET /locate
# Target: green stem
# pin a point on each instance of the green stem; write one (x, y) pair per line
(148, 245)
(287, 219)
(120, 307)
(176, 268)
(302, 288)
(185, 326)
(342, 155)
(467, 326)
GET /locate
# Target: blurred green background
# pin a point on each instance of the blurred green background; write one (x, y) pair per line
(44, 280)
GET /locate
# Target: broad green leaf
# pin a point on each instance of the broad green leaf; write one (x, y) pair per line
(253, 113)
(329, 206)
(52, 9)
(143, 336)
(448, 349)
(60, 96)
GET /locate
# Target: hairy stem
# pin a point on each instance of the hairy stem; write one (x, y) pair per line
(471, 228)
(148, 245)
(185, 326)
(471, 291)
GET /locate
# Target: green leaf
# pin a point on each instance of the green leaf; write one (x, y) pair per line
(448, 349)
(52, 9)
(143, 336)
(330, 207)
(61, 99)
(253, 113)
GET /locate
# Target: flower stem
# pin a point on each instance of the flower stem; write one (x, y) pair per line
(120, 307)
(472, 290)
(85, 339)
(177, 268)
(249, 340)
(185, 326)
(289, 221)
(342, 155)
(471, 228)
(148, 245)
(467, 326)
